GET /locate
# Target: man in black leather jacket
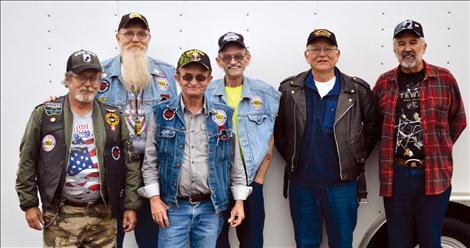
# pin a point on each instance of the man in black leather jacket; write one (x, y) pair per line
(325, 130)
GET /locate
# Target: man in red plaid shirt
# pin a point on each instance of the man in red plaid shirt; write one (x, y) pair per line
(423, 115)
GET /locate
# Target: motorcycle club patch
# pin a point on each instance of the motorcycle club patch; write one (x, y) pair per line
(116, 152)
(112, 119)
(169, 114)
(48, 143)
(163, 84)
(53, 108)
(104, 86)
(256, 103)
(220, 117)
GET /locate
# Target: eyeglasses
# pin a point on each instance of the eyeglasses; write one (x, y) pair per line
(228, 58)
(318, 50)
(83, 79)
(189, 77)
(140, 35)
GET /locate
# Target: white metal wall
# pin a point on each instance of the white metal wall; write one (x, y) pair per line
(37, 38)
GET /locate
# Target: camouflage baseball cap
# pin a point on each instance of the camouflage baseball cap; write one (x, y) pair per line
(194, 56)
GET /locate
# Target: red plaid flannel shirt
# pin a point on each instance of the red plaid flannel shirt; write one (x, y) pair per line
(442, 119)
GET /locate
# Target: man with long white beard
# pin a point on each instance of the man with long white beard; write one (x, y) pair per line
(76, 152)
(135, 82)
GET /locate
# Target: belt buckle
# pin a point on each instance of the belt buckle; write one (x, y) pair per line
(190, 200)
(413, 163)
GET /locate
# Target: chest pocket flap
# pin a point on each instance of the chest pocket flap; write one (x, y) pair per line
(258, 119)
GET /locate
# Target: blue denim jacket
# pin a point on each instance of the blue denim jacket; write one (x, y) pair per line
(170, 143)
(256, 115)
(161, 87)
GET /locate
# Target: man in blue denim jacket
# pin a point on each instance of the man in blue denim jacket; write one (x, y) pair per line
(135, 82)
(256, 104)
(188, 171)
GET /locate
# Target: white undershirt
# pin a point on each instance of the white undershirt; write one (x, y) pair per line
(325, 87)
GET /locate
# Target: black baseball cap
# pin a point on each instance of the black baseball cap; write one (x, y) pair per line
(231, 37)
(194, 56)
(125, 19)
(324, 34)
(410, 26)
(82, 60)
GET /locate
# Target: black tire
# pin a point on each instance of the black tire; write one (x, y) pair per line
(455, 233)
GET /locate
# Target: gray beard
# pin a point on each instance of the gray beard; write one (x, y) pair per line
(135, 68)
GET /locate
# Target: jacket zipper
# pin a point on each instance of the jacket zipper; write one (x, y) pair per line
(295, 143)
(336, 141)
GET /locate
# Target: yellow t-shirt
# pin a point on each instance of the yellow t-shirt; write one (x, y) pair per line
(234, 96)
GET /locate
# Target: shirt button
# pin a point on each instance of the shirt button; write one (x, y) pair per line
(292, 92)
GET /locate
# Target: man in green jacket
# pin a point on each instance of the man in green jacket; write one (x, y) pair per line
(77, 153)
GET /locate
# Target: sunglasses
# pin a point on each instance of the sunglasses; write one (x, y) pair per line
(189, 77)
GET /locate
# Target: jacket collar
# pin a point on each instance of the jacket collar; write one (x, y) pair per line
(247, 91)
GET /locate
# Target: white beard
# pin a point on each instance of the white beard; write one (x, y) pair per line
(135, 68)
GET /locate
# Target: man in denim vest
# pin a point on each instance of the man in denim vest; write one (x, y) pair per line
(325, 130)
(256, 104)
(134, 83)
(191, 163)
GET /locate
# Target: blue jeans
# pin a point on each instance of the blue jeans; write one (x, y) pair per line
(409, 211)
(199, 222)
(337, 205)
(250, 232)
(146, 230)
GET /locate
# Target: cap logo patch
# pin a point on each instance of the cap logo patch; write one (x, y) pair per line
(231, 37)
(322, 32)
(86, 57)
(134, 15)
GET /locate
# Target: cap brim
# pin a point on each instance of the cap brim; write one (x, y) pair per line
(196, 62)
(332, 42)
(409, 31)
(240, 44)
(86, 67)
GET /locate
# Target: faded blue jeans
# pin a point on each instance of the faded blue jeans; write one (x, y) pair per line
(337, 205)
(199, 222)
(409, 211)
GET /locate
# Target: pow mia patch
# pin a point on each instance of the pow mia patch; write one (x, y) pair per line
(53, 108)
(256, 103)
(48, 143)
(220, 117)
(112, 119)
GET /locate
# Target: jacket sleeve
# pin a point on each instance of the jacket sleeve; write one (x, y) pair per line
(133, 174)
(457, 119)
(370, 121)
(280, 140)
(26, 182)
